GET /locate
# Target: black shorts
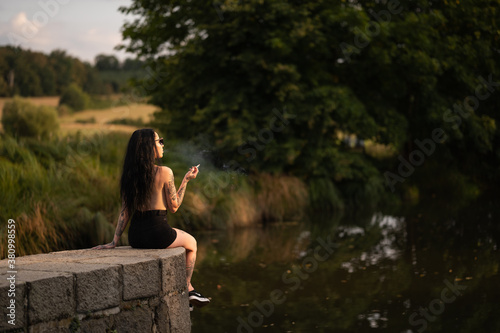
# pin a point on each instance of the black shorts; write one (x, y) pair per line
(150, 230)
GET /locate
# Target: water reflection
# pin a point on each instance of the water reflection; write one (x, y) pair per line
(392, 232)
(384, 272)
(279, 243)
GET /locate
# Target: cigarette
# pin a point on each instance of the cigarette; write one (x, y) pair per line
(197, 165)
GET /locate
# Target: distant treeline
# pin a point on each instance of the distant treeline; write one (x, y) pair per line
(28, 73)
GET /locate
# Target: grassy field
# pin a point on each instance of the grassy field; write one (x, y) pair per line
(99, 119)
(91, 121)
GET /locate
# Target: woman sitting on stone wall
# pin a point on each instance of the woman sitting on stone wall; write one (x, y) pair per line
(147, 191)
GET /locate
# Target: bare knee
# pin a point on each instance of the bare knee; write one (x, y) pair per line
(192, 245)
(189, 242)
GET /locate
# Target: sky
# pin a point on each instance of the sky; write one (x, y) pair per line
(83, 28)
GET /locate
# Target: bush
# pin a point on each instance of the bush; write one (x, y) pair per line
(23, 119)
(75, 98)
(64, 110)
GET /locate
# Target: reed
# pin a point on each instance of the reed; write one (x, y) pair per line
(280, 197)
(46, 184)
(324, 196)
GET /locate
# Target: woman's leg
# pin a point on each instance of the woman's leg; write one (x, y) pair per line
(188, 242)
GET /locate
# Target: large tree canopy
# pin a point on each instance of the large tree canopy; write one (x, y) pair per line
(274, 84)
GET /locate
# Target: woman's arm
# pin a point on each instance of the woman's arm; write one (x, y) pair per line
(120, 228)
(174, 197)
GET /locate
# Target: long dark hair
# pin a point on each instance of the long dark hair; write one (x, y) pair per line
(138, 170)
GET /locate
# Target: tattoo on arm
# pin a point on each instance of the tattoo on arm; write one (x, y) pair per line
(172, 191)
(176, 196)
(122, 223)
(181, 192)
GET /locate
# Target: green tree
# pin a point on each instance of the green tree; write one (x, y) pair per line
(384, 71)
(132, 64)
(48, 81)
(38, 74)
(62, 65)
(105, 62)
(4, 69)
(75, 98)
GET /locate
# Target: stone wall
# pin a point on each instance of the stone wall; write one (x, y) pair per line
(114, 290)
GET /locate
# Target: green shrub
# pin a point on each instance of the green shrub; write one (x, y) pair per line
(75, 98)
(22, 119)
(64, 110)
(325, 196)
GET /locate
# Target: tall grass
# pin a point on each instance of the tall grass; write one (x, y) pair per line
(280, 197)
(46, 184)
(325, 197)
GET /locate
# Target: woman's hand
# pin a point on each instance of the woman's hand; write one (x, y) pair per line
(192, 173)
(111, 245)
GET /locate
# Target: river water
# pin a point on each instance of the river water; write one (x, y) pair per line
(432, 268)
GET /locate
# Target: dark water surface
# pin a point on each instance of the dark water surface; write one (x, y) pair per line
(433, 269)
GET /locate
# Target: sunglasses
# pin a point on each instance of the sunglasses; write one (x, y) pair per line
(160, 140)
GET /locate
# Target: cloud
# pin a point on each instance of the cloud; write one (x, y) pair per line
(102, 38)
(19, 21)
(18, 30)
(83, 29)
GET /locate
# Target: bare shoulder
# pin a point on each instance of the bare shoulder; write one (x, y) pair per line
(166, 173)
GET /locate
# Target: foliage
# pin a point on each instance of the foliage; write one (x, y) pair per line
(28, 73)
(116, 81)
(20, 118)
(273, 85)
(54, 198)
(75, 98)
(106, 63)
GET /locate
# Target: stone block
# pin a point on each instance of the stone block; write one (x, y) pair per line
(141, 275)
(51, 298)
(138, 320)
(98, 286)
(98, 289)
(56, 326)
(21, 303)
(178, 310)
(96, 325)
(141, 280)
(50, 295)
(162, 317)
(173, 274)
